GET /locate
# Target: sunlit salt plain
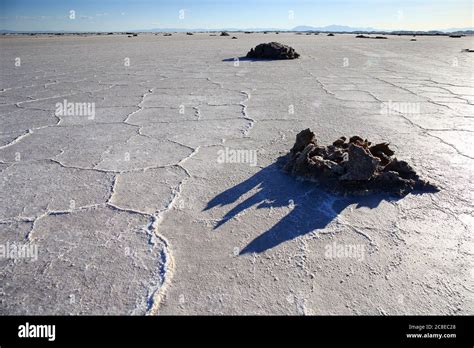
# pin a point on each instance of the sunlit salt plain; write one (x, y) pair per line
(157, 191)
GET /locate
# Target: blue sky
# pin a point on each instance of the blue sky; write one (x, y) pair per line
(119, 15)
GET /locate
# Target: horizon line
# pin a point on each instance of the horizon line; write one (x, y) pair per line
(294, 29)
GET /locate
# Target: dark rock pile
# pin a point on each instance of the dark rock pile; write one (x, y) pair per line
(330, 34)
(273, 50)
(234, 38)
(369, 37)
(224, 33)
(354, 166)
(189, 33)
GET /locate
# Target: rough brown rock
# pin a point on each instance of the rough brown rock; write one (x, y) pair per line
(361, 165)
(353, 166)
(273, 50)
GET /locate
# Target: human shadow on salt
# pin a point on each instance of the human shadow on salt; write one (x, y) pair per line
(313, 208)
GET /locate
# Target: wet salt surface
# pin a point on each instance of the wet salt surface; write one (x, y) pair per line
(133, 211)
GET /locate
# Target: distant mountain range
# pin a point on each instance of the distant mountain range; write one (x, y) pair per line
(302, 28)
(329, 28)
(344, 28)
(332, 28)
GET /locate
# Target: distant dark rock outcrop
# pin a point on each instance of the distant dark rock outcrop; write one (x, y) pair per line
(273, 50)
(188, 33)
(224, 33)
(330, 34)
(361, 36)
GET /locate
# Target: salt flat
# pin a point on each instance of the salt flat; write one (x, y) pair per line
(133, 212)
